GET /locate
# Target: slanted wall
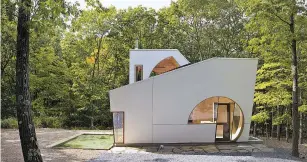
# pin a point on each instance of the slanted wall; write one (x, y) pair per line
(157, 109)
(175, 94)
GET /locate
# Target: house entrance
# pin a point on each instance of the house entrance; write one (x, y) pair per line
(222, 111)
(222, 118)
(118, 127)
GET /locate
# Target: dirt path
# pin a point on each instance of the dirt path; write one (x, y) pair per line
(274, 143)
(11, 149)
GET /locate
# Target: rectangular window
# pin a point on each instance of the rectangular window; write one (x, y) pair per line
(118, 127)
(138, 72)
(215, 105)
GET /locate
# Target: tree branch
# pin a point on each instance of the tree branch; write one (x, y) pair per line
(280, 18)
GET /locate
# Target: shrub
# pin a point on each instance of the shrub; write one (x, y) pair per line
(51, 122)
(9, 123)
(37, 122)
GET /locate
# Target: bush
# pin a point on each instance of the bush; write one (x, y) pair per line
(9, 123)
(37, 122)
(50, 122)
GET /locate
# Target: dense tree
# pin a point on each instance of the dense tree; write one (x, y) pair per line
(77, 56)
(27, 133)
(8, 58)
(280, 22)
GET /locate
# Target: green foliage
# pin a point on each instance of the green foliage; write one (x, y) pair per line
(9, 123)
(77, 56)
(48, 122)
(283, 119)
(303, 109)
(8, 50)
(260, 117)
(272, 85)
(269, 39)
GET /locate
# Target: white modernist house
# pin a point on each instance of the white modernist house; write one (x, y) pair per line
(170, 100)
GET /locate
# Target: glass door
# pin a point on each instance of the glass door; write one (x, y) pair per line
(222, 113)
(118, 127)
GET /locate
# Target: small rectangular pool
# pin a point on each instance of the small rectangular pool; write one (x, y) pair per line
(89, 141)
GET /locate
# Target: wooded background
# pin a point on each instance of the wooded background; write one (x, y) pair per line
(77, 56)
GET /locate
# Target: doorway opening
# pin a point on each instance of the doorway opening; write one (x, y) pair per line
(118, 127)
(222, 117)
(222, 111)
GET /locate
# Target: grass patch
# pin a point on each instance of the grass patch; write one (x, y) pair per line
(89, 141)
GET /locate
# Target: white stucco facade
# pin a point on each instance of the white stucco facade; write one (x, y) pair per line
(150, 58)
(157, 109)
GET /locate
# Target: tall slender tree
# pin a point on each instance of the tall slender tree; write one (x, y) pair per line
(282, 23)
(30, 150)
(295, 115)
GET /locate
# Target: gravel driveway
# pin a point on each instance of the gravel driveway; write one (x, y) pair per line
(107, 157)
(11, 151)
(262, 154)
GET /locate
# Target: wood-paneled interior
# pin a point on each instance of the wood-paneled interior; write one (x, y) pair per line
(203, 113)
(165, 65)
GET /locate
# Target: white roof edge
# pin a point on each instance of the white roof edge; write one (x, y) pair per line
(159, 50)
(154, 50)
(227, 58)
(166, 73)
(134, 83)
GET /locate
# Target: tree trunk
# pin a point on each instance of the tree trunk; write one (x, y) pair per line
(287, 127)
(255, 130)
(263, 130)
(278, 126)
(92, 122)
(287, 132)
(30, 150)
(300, 141)
(295, 117)
(278, 132)
(266, 130)
(272, 129)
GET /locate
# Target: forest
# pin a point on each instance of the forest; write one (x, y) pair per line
(76, 56)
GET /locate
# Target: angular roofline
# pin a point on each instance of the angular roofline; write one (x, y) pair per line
(134, 50)
(154, 50)
(183, 67)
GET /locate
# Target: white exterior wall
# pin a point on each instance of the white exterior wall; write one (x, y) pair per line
(186, 133)
(150, 58)
(157, 109)
(245, 134)
(181, 90)
(136, 102)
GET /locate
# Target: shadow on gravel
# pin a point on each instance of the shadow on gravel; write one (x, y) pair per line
(159, 160)
(279, 153)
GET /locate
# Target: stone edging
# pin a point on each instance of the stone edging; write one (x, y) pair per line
(63, 140)
(75, 136)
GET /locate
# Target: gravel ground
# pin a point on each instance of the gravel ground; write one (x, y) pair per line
(279, 154)
(282, 144)
(11, 149)
(136, 157)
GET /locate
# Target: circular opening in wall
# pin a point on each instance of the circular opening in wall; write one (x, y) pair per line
(224, 112)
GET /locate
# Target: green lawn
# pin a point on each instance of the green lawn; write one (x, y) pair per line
(89, 141)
